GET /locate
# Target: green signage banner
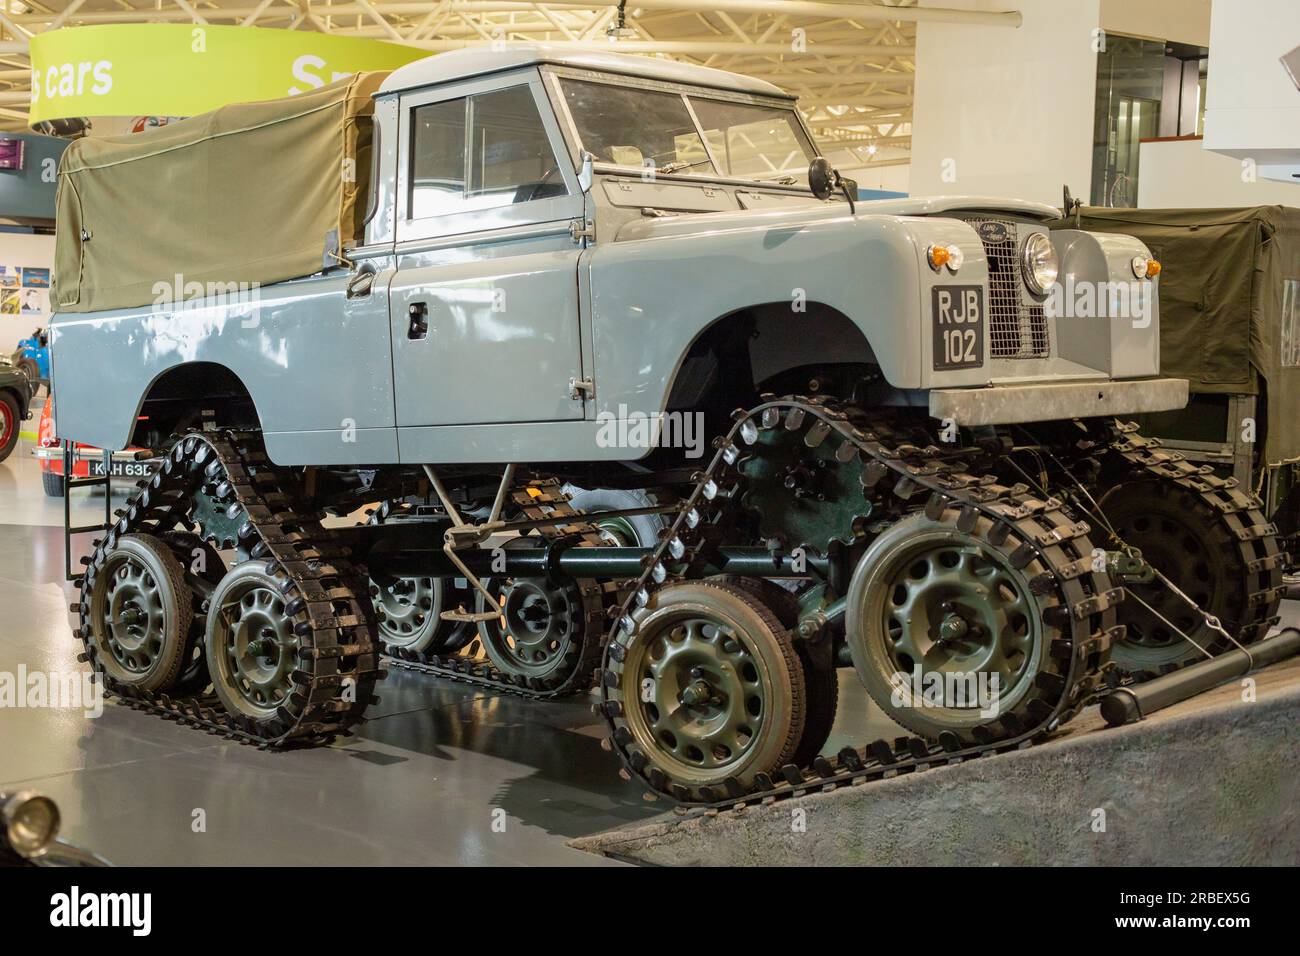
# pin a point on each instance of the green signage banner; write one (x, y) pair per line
(174, 69)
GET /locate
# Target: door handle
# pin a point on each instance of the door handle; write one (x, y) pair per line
(359, 285)
(419, 315)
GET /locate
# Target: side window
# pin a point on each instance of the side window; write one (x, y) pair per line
(481, 152)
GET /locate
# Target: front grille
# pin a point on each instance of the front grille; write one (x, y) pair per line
(1017, 325)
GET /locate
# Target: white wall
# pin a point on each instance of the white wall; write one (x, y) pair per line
(1183, 21)
(16, 251)
(1182, 174)
(1006, 111)
(1252, 108)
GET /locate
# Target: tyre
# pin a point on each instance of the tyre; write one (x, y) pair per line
(52, 484)
(639, 531)
(251, 643)
(139, 614)
(947, 632)
(709, 688)
(820, 675)
(33, 373)
(9, 419)
(408, 610)
(1180, 534)
(542, 630)
(204, 570)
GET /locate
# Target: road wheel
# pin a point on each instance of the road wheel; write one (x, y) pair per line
(140, 613)
(204, 570)
(33, 373)
(1182, 536)
(821, 677)
(954, 606)
(251, 644)
(710, 688)
(639, 531)
(52, 484)
(409, 612)
(9, 414)
(541, 630)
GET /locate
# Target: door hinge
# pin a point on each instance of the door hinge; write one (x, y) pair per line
(580, 388)
(582, 230)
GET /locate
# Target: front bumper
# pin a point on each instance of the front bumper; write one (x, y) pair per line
(1015, 404)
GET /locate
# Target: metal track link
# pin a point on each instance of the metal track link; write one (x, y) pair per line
(537, 501)
(1044, 529)
(1243, 517)
(338, 662)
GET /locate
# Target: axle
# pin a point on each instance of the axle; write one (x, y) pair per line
(577, 562)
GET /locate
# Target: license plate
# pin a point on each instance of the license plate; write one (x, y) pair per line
(958, 326)
(122, 469)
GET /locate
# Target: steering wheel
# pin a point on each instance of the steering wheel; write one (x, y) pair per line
(540, 184)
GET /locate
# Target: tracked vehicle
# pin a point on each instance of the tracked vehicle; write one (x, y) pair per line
(867, 439)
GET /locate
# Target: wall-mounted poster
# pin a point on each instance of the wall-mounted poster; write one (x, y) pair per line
(35, 278)
(24, 290)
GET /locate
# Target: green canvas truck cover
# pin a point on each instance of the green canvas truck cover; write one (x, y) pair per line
(248, 193)
(1229, 301)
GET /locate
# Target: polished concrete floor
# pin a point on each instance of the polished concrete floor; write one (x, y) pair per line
(439, 774)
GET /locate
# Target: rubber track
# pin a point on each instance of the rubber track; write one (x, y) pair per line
(1260, 553)
(537, 501)
(336, 628)
(1043, 527)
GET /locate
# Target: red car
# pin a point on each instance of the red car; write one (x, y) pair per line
(87, 462)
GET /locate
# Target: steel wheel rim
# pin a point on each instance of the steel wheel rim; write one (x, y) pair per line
(406, 608)
(6, 424)
(129, 610)
(711, 697)
(536, 627)
(1179, 553)
(618, 532)
(258, 647)
(956, 607)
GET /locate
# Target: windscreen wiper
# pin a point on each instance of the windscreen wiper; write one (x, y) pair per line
(671, 168)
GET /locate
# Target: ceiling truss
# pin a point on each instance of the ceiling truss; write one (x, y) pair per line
(851, 62)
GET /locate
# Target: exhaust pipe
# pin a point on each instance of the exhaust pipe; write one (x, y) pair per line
(1128, 704)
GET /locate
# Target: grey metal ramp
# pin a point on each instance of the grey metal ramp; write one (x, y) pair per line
(1212, 781)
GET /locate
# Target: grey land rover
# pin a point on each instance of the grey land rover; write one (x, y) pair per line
(449, 291)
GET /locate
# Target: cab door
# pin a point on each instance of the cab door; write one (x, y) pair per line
(484, 302)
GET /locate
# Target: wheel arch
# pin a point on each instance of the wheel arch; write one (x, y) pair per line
(183, 394)
(777, 337)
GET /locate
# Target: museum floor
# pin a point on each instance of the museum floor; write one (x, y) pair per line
(423, 782)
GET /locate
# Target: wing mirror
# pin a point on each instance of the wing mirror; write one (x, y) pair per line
(825, 180)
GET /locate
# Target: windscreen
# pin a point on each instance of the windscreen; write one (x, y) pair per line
(754, 142)
(632, 126)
